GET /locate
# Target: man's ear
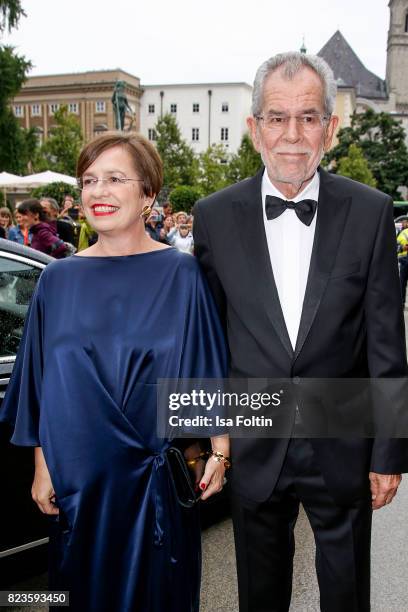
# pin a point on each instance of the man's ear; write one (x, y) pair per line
(331, 128)
(253, 132)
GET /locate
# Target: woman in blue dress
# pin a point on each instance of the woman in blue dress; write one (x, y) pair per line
(102, 327)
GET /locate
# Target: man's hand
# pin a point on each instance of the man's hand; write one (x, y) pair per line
(383, 488)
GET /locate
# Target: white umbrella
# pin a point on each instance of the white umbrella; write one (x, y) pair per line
(44, 178)
(8, 180)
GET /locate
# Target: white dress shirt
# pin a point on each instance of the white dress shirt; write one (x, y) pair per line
(290, 244)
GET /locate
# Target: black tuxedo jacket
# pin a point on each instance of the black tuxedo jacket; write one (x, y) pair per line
(351, 325)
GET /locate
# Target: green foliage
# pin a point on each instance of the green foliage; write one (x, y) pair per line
(382, 141)
(183, 198)
(56, 191)
(245, 162)
(212, 173)
(179, 162)
(10, 13)
(356, 167)
(16, 144)
(61, 149)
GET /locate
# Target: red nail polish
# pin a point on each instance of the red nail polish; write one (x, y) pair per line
(203, 485)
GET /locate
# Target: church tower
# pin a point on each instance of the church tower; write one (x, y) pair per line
(397, 53)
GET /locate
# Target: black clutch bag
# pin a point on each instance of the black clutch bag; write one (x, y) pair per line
(184, 477)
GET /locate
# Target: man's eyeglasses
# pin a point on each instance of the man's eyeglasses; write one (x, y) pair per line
(307, 122)
(113, 182)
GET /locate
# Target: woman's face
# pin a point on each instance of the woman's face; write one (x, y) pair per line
(30, 218)
(168, 222)
(4, 220)
(113, 204)
(20, 220)
(181, 219)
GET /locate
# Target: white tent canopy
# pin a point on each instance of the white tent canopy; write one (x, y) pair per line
(44, 178)
(9, 180)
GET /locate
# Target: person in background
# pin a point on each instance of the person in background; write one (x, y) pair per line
(44, 236)
(87, 235)
(183, 239)
(20, 232)
(154, 226)
(402, 243)
(64, 226)
(167, 210)
(6, 219)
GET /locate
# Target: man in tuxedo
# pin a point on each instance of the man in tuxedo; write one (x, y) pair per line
(303, 267)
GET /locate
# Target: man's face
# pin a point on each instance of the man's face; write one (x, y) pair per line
(291, 152)
(51, 212)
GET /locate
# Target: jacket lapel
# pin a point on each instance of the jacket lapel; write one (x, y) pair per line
(249, 217)
(332, 213)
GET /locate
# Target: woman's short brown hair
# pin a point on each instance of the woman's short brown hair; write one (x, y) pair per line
(146, 160)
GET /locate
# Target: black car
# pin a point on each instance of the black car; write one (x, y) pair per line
(23, 529)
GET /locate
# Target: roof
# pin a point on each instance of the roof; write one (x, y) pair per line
(348, 69)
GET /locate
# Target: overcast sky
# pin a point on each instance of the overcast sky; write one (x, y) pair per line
(192, 41)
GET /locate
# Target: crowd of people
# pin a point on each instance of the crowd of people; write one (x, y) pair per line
(60, 231)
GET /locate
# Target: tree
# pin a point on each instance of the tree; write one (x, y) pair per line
(356, 167)
(16, 144)
(212, 173)
(382, 141)
(184, 198)
(55, 190)
(179, 162)
(61, 149)
(10, 13)
(245, 162)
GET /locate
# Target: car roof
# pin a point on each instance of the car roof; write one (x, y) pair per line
(20, 249)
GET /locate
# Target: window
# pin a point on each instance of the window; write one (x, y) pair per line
(224, 107)
(100, 129)
(152, 134)
(36, 110)
(173, 108)
(195, 134)
(73, 107)
(53, 108)
(151, 109)
(17, 285)
(19, 110)
(406, 23)
(224, 134)
(100, 106)
(196, 107)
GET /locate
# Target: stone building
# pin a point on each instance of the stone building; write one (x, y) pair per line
(87, 95)
(358, 87)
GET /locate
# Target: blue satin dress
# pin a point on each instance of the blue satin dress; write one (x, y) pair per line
(99, 333)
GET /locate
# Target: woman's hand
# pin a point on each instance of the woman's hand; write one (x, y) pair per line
(42, 490)
(213, 479)
(214, 475)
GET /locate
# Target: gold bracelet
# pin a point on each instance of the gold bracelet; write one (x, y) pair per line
(221, 458)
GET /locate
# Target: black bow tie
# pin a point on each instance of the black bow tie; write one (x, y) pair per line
(305, 209)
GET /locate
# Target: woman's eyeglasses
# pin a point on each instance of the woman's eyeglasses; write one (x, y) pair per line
(113, 182)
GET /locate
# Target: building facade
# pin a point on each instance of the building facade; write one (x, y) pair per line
(206, 113)
(87, 95)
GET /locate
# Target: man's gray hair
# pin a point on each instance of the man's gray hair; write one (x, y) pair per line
(53, 203)
(292, 62)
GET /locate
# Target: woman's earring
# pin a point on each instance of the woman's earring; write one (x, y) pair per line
(146, 210)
